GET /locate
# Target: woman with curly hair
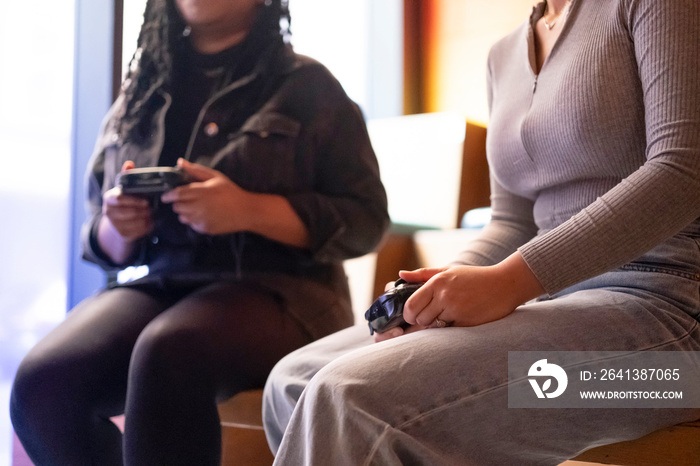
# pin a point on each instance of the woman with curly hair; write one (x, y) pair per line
(244, 262)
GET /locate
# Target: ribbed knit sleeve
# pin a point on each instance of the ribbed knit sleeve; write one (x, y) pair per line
(511, 225)
(662, 196)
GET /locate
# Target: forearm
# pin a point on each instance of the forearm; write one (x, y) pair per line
(495, 243)
(621, 225)
(518, 280)
(112, 244)
(512, 225)
(272, 216)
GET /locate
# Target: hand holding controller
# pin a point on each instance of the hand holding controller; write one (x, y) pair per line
(387, 311)
(151, 182)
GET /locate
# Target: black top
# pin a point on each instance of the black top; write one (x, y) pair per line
(196, 78)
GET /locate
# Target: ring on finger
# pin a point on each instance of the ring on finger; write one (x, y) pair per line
(439, 323)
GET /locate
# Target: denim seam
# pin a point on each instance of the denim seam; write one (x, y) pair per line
(648, 268)
(375, 447)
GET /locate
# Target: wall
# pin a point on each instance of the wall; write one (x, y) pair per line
(457, 36)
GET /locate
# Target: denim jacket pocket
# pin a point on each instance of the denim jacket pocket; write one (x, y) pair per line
(261, 156)
(272, 124)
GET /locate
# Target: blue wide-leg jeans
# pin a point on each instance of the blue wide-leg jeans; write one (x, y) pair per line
(440, 396)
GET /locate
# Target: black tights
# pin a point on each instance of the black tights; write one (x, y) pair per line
(163, 360)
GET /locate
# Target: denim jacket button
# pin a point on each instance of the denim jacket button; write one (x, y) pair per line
(211, 129)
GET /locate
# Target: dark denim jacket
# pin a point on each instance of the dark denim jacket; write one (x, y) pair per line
(287, 128)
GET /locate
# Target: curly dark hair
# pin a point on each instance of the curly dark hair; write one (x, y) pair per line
(151, 67)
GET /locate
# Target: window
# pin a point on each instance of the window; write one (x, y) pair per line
(35, 142)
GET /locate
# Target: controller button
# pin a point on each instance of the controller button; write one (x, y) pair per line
(155, 240)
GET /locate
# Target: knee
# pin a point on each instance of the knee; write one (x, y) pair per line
(291, 376)
(162, 348)
(344, 382)
(366, 380)
(41, 384)
(283, 388)
(27, 382)
(288, 378)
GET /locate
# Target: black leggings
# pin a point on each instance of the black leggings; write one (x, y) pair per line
(163, 360)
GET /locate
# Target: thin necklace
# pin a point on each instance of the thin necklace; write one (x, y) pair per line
(551, 25)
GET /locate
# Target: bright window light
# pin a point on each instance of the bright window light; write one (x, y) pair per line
(36, 53)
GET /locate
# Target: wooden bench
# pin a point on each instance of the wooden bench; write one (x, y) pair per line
(244, 442)
(673, 446)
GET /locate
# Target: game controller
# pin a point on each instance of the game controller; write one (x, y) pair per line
(387, 311)
(150, 182)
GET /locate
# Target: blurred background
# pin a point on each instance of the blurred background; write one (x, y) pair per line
(61, 63)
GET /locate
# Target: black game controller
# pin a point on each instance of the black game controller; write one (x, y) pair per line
(387, 311)
(150, 182)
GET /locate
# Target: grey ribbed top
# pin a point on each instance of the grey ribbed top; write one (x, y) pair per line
(596, 160)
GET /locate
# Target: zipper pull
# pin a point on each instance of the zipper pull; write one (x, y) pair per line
(534, 85)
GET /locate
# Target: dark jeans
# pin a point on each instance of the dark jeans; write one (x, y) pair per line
(162, 357)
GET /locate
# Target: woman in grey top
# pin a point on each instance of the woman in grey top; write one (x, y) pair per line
(594, 246)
